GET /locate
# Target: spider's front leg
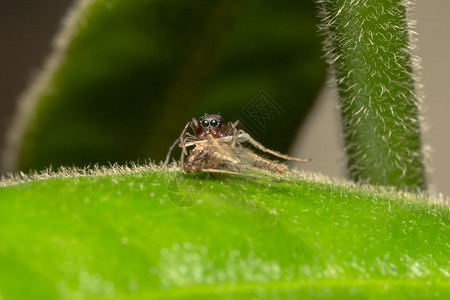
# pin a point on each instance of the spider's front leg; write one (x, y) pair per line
(232, 131)
(182, 140)
(247, 138)
(193, 124)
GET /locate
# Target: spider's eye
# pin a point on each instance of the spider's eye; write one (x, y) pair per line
(214, 123)
(205, 123)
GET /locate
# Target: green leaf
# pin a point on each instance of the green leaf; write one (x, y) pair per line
(126, 76)
(147, 234)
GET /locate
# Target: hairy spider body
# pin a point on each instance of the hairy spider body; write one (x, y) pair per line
(211, 125)
(218, 149)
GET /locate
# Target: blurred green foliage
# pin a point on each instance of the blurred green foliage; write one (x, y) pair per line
(136, 71)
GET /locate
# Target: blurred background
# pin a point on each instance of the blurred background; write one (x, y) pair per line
(322, 138)
(26, 33)
(27, 29)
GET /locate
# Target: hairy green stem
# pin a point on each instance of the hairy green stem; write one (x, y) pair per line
(368, 45)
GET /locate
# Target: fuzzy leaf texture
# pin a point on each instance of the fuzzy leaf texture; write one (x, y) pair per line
(369, 46)
(126, 76)
(148, 234)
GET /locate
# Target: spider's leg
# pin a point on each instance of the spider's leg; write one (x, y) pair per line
(257, 145)
(194, 123)
(184, 145)
(190, 137)
(233, 128)
(183, 138)
(230, 126)
(195, 142)
(231, 131)
(182, 158)
(187, 137)
(179, 139)
(166, 161)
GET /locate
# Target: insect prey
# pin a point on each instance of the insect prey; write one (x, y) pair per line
(220, 148)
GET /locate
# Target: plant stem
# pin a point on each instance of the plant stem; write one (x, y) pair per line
(369, 49)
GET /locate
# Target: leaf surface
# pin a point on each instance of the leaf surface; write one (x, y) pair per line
(162, 235)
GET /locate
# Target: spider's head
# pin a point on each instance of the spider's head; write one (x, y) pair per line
(209, 124)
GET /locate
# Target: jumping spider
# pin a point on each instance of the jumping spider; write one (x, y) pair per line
(218, 148)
